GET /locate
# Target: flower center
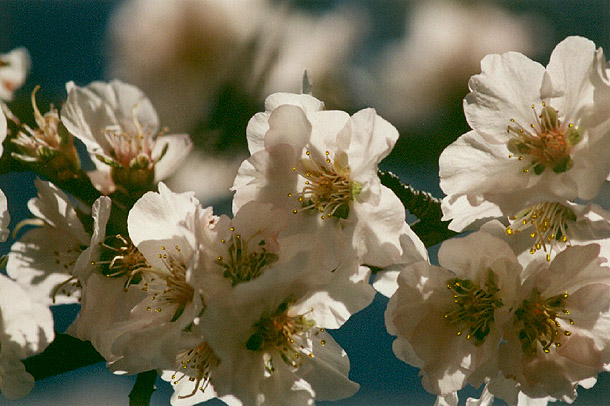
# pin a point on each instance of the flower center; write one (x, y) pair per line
(548, 223)
(246, 259)
(547, 141)
(282, 334)
(538, 317)
(474, 307)
(328, 188)
(166, 286)
(130, 149)
(119, 257)
(196, 363)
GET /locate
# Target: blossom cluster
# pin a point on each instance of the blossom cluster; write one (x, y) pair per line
(229, 307)
(522, 304)
(239, 307)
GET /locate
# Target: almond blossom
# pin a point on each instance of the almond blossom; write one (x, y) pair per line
(272, 346)
(120, 128)
(322, 166)
(558, 338)
(538, 133)
(458, 307)
(148, 283)
(42, 260)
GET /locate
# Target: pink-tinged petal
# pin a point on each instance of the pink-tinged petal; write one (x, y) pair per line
(471, 165)
(256, 130)
(25, 321)
(505, 89)
(85, 264)
(372, 139)
(154, 221)
(328, 128)
(54, 207)
(178, 147)
(14, 72)
(86, 116)
(378, 229)
(309, 103)
(127, 102)
(328, 373)
(267, 177)
(288, 124)
(570, 68)
(42, 263)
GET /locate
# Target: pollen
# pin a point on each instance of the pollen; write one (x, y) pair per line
(474, 306)
(329, 188)
(197, 364)
(547, 224)
(246, 259)
(284, 335)
(547, 142)
(538, 319)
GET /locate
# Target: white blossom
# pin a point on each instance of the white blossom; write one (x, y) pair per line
(322, 166)
(448, 319)
(558, 336)
(42, 260)
(26, 328)
(120, 128)
(538, 133)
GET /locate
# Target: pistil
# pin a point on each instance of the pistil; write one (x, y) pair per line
(539, 320)
(547, 141)
(328, 188)
(473, 312)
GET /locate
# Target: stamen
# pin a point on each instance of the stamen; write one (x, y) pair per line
(328, 188)
(538, 317)
(548, 223)
(474, 306)
(197, 364)
(247, 258)
(120, 257)
(548, 141)
(167, 286)
(280, 333)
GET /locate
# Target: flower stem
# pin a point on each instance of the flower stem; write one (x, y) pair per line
(64, 354)
(143, 389)
(427, 208)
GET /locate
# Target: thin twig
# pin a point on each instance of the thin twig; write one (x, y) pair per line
(427, 208)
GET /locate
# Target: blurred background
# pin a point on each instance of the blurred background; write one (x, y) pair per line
(207, 66)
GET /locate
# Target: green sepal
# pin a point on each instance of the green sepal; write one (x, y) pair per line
(564, 165)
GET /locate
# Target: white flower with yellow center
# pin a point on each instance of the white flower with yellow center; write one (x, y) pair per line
(120, 129)
(322, 166)
(164, 301)
(273, 347)
(558, 337)
(448, 318)
(539, 134)
(42, 260)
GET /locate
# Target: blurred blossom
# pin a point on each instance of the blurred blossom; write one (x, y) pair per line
(14, 67)
(216, 180)
(445, 43)
(321, 44)
(180, 52)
